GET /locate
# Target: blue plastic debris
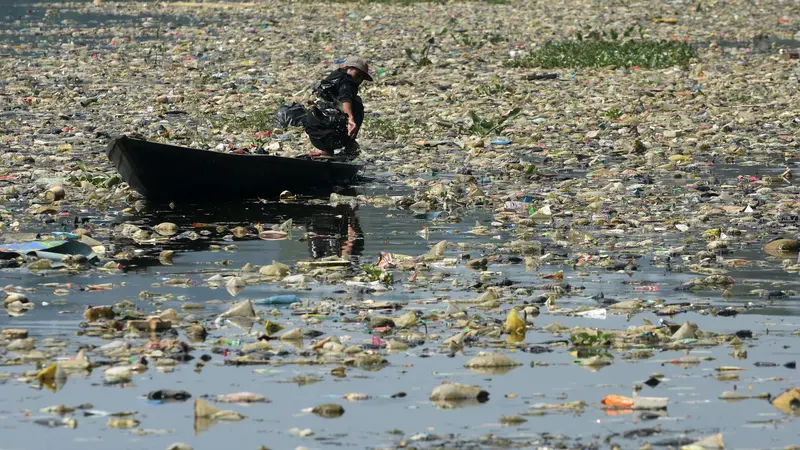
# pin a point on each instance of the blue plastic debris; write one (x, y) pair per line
(54, 250)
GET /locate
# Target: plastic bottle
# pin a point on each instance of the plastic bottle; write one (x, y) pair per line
(285, 299)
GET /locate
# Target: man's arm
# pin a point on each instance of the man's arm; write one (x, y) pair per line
(352, 128)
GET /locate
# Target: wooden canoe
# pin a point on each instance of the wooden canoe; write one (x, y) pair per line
(168, 172)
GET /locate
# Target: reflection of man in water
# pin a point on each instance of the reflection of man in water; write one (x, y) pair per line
(336, 231)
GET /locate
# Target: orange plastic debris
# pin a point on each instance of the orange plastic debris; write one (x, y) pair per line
(617, 401)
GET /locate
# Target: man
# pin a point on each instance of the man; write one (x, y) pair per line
(334, 122)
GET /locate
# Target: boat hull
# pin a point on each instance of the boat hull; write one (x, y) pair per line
(168, 172)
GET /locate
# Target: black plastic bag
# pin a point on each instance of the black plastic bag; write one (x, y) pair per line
(168, 394)
(292, 115)
(326, 127)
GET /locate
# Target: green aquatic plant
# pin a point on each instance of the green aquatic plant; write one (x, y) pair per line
(607, 51)
(485, 127)
(420, 57)
(612, 114)
(261, 120)
(99, 180)
(496, 88)
(585, 339)
(385, 129)
(375, 273)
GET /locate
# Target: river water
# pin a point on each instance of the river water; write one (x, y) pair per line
(360, 234)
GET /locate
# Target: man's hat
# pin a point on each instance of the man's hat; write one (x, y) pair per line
(358, 63)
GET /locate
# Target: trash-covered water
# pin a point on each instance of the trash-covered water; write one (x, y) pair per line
(41, 24)
(320, 231)
(615, 238)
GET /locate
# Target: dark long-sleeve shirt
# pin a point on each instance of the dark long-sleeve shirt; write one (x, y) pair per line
(344, 89)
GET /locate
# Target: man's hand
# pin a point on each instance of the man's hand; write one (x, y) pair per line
(352, 128)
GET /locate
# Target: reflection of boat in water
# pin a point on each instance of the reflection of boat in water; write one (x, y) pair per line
(330, 230)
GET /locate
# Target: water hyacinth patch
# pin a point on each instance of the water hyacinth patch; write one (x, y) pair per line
(601, 53)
